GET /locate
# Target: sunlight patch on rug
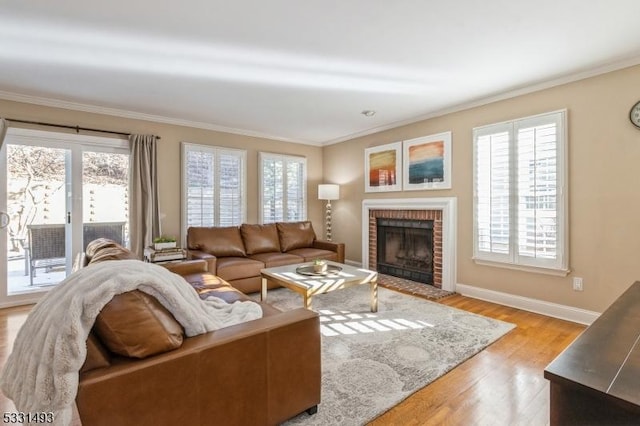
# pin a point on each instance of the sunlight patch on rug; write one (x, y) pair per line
(373, 361)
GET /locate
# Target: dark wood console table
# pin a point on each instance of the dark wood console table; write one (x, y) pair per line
(596, 380)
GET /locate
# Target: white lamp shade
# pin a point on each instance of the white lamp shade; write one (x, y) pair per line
(328, 191)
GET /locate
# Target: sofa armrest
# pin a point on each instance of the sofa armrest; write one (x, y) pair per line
(338, 248)
(272, 364)
(212, 261)
(203, 342)
(188, 267)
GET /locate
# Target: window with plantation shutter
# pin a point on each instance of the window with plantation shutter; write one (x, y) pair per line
(213, 181)
(520, 193)
(283, 195)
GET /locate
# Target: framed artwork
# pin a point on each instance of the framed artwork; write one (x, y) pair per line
(427, 162)
(383, 168)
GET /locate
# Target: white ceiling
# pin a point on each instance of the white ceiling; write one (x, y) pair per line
(302, 71)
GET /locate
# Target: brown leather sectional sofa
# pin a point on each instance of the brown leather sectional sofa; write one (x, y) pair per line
(238, 253)
(141, 369)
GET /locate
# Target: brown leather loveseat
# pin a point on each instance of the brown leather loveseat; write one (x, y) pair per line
(238, 253)
(141, 369)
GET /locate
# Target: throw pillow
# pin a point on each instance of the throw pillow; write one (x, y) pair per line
(219, 241)
(260, 238)
(136, 325)
(294, 235)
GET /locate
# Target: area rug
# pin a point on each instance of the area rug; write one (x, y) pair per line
(373, 361)
(411, 287)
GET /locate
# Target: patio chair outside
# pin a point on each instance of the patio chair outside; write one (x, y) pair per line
(47, 242)
(111, 230)
(46, 247)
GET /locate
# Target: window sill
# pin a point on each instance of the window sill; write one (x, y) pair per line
(524, 268)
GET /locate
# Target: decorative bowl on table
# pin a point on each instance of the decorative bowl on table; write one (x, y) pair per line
(320, 267)
(309, 270)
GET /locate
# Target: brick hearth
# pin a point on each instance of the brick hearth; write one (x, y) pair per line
(435, 215)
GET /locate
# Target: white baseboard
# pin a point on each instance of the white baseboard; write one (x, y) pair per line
(20, 302)
(569, 313)
(550, 309)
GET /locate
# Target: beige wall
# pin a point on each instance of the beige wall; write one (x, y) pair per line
(604, 182)
(604, 188)
(169, 155)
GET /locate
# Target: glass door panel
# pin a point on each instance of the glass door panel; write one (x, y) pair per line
(105, 196)
(37, 205)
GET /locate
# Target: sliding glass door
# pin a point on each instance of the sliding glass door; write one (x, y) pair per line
(61, 192)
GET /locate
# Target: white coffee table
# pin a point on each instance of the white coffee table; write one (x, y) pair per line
(311, 285)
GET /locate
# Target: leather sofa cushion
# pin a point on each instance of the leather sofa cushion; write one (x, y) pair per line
(260, 238)
(218, 241)
(187, 267)
(250, 284)
(231, 295)
(295, 235)
(97, 355)
(207, 284)
(271, 260)
(204, 281)
(310, 253)
(234, 268)
(136, 325)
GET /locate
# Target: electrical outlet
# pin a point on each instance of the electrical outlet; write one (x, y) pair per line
(577, 284)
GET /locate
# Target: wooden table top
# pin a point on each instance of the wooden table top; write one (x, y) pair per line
(606, 356)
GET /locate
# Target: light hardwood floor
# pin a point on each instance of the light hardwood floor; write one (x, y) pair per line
(502, 385)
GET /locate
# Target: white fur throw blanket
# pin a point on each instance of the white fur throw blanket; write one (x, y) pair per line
(41, 374)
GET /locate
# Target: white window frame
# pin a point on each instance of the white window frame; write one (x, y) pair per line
(216, 151)
(513, 260)
(286, 158)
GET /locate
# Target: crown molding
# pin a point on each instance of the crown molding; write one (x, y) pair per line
(134, 115)
(547, 84)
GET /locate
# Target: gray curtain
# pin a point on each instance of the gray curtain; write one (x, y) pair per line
(144, 212)
(3, 130)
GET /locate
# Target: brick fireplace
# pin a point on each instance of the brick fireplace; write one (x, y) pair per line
(416, 216)
(438, 212)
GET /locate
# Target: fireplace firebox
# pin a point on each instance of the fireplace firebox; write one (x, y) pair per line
(405, 248)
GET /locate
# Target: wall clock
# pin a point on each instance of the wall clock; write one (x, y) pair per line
(634, 115)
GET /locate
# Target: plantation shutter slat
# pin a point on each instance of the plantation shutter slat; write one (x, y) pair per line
(284, 184)
(537, 191)
(231, 193)
(492, 189)
(272, 190)
(200, 190)
(215, 186)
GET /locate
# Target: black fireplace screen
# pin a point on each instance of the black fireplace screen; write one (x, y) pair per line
(405, 249)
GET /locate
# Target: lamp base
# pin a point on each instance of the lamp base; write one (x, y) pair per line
(327, 225)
